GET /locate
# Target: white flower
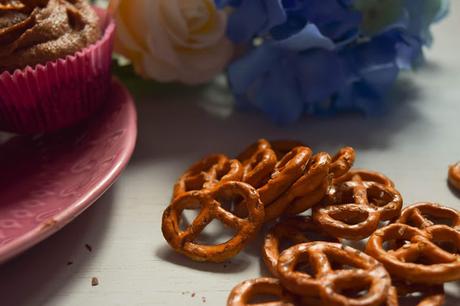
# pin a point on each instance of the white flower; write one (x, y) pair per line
(172, 40)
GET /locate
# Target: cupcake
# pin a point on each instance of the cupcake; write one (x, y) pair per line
(55, 58)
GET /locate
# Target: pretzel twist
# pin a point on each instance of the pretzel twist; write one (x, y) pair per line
(210, 204)
(329, 282)
(207, 173)
(246, 291)
(354, 208)
(420, 259)
(294, 230)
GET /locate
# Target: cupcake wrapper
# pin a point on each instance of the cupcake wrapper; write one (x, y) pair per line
(60, 93)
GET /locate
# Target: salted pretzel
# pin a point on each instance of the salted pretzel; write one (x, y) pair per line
(423, 215)
(331, 276)
(354, 208)
(247, 291)
(208, 172)
(454, 175)
(313, 179)
(210, 204)
(416, 255)
(258, 161)
(293, 230)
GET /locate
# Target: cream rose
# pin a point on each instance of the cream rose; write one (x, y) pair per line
(172, 40)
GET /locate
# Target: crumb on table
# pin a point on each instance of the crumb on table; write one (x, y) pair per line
(94, 281)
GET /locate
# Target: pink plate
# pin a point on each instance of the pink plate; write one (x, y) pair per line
(47, 181)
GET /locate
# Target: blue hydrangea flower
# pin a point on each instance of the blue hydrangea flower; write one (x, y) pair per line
(324, 56)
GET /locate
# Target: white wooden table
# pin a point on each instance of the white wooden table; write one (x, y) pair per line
(414, 144)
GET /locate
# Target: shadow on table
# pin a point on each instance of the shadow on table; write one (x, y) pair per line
(194, 122)
(44, 271)
(234, 265)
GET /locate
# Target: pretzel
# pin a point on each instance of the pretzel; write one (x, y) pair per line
(210, 204)
(328, 280)
(342, 162)
(365, 176)
(421, 215)
(248, 290)
(355, 208)
(207, 172)
(258, 163)
(312, 180)
(454, 175)
(420, 260)
(294, 230)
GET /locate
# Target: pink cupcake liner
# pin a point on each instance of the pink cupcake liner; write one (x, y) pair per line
(60, 93)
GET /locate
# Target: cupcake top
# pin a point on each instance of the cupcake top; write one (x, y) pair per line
(37, 31)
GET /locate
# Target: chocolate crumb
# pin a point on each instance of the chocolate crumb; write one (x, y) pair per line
(69, 263)
(203, 299)
(94, 281)
(193, 294)
(88, 247)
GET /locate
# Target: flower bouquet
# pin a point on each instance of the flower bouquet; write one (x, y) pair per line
(285, 58)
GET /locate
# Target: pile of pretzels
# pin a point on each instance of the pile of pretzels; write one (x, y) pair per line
(415, 250)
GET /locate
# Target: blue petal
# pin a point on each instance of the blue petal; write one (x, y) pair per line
(254, 17)
(246, 21)
(320, 75)
(309, 37)
(247, 69)
(334, 19)
(279, 95)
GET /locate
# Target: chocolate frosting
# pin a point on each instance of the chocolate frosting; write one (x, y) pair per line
(38, 31)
